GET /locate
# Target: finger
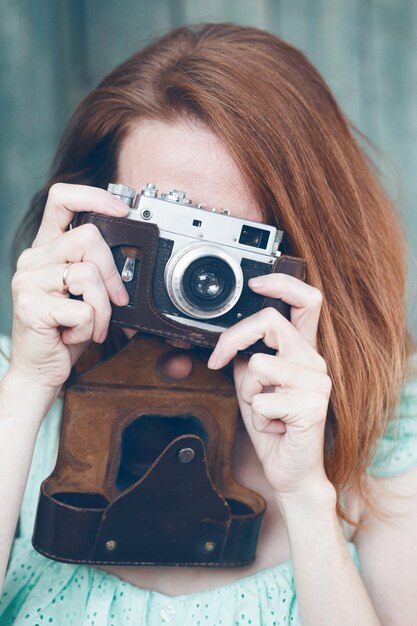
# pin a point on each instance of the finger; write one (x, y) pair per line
(276, 332)
(265, 370)
(85, 279)
(83, 244)
(78, 322)
(44, 311)
(82, 279)
(64, 200)
(305, 301)
(263, 424)
(276, 412)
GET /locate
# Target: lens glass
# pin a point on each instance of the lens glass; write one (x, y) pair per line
(208, 283)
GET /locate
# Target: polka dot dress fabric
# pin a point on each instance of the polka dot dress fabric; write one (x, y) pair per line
(40, 592)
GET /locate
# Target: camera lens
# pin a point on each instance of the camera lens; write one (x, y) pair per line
(203, 281)
(208, 283)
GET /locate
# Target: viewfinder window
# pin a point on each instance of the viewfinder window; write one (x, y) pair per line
(255, 237)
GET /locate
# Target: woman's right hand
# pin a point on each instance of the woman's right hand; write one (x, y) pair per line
(50, 330)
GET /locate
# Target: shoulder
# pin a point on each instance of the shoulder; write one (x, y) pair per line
(392, 475)
(386, 542)
(396, 451)
(393, 470)
(386, 539)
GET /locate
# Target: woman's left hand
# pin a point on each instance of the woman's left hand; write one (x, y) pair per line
(283, 398)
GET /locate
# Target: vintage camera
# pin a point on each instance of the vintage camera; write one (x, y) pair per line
(186, 266)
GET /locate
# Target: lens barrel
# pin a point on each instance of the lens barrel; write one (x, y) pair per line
(203, 281)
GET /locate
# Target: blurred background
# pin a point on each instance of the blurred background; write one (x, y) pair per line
(53, 51)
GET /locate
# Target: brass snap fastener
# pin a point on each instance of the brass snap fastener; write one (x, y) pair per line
(186, 455)
(209, 546)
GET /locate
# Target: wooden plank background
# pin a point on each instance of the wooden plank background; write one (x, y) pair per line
(53, 51)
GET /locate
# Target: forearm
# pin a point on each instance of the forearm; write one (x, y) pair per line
(22, 409)
(329, 588)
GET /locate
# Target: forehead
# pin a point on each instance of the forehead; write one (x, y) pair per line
(187, 157)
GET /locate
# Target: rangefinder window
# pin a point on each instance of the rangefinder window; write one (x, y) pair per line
(255, 237)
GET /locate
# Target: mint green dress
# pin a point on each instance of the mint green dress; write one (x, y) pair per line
(40, 592)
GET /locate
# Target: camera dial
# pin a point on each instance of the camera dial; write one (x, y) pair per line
(180, 197)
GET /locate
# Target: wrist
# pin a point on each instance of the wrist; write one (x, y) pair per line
(317, 495)
(29, 390)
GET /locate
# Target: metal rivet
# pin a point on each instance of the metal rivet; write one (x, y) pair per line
(110, 545)
(209, 546)
(186, 455)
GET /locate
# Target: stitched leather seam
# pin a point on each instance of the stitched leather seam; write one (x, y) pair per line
(87, 561)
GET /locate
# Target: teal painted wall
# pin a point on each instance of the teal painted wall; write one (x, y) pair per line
(53, 51)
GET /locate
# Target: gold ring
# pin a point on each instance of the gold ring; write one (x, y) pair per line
(65, 287)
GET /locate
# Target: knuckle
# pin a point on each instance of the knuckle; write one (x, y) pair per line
(89, 234)
(90, 271)
(321, 364)
(23, 260)
(22, 304)
(55, 191)
(256, 362)
(269, 315)
(20, 282)
(316, 297)
(318, 406)
(86, 315)
(326, 385)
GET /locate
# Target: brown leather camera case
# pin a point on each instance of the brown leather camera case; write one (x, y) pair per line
(143, 475)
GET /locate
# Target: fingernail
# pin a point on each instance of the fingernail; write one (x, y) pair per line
(102, 337)
(257, 281)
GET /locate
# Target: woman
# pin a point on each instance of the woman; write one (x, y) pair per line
(238, 119)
